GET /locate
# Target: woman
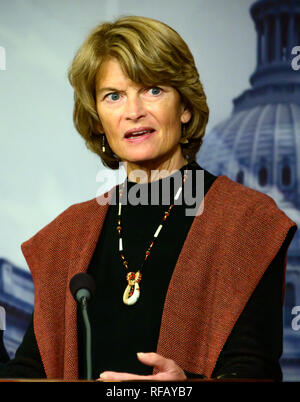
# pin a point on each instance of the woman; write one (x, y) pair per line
(200, 293)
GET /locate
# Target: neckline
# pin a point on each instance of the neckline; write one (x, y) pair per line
(190, 166)
(104, 200)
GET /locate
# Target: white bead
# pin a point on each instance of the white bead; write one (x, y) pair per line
(157, 231)
(178, 193)
(120, 244)
(119, 213)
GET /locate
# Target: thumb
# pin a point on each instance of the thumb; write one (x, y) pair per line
(154, 359)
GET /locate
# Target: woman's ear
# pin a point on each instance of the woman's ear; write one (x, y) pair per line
(99, 127)
(185, 115)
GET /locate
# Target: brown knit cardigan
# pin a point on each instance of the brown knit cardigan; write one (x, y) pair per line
(227, 250)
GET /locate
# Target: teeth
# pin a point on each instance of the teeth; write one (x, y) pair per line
(139, 133)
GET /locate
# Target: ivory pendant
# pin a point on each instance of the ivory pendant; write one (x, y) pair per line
(134, 297)
(133, 280)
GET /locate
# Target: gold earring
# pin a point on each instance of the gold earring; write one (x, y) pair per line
(103, 144)
(183, 139)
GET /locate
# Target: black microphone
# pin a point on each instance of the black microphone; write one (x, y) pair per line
(82, 287)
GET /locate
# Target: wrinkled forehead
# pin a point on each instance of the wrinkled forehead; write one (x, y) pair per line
(115, 68)
(110, 69)
(112, 77)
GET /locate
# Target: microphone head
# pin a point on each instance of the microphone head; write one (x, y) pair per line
(82, 281)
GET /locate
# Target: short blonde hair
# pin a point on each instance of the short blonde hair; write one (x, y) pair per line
(151, 53)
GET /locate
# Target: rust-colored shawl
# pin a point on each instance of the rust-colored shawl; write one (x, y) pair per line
(227, 250)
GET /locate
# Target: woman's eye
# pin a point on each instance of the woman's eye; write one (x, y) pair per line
(155, 90)
(115, 96)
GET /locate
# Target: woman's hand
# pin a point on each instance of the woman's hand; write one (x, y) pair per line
(168, 370)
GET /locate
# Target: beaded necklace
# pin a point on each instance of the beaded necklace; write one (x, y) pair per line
(132, 291)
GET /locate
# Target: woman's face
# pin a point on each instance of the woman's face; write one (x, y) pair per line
(142, 124)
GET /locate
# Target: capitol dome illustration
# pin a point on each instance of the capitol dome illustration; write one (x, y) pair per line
(259, 144)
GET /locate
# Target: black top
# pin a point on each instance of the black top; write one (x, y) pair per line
(119, 331)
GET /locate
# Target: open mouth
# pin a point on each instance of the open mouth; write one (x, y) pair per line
(135, 134)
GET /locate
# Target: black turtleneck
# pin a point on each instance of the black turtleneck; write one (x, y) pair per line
(120, 331)
(125, 330)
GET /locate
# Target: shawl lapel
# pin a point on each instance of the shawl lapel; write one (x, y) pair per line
(226, 252)
(77, 265)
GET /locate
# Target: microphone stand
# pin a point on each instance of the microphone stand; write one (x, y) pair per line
(82, 287)
(88, 338)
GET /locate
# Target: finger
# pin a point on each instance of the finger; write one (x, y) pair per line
(156, 360)
(116, 376)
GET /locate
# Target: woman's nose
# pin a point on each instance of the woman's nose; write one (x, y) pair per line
(134, 108)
